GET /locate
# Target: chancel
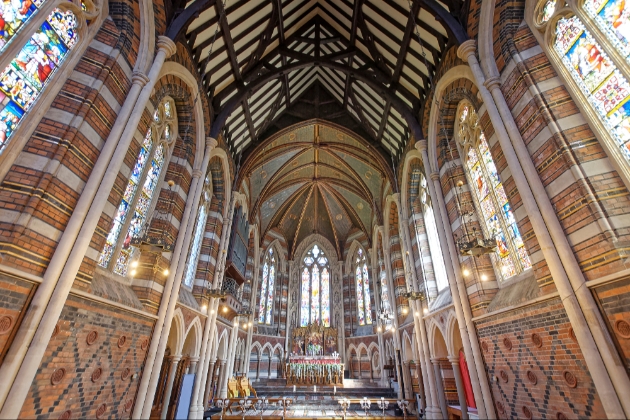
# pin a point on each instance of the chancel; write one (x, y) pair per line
(249, 209)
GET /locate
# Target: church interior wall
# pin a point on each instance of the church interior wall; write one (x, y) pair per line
(94, 362)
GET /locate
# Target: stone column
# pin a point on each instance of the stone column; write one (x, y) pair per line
(459, 382)
(269, 366)
(169, 385)
(230, 360)
(594, 340)
(30, 342)
(432, 404)
(159, 341)
(222, 377)
(440, 386)
(463, 313)
(258, 366)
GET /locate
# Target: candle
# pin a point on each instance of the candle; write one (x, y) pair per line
(293, 388)
(314, 388)
(335, 389)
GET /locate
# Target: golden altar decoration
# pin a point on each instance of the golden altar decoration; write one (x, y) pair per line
(314, 359)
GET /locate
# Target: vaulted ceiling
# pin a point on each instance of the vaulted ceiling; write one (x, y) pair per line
(375, 58)
(315, 178)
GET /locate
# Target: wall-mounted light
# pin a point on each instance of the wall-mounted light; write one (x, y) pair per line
(484, 277)
(466, 272)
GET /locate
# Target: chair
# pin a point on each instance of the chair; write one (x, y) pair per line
(246, 388)
(233, 388)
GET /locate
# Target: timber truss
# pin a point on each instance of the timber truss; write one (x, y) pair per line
(255, 59)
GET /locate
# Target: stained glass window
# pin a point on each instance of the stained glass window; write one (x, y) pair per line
(267, 288)
(26, 76)
(604, 87)
(315, 297)
(134, 207)
(382, 275)
(195, 248)
(364, 305)
(491, 199)
(439, 269)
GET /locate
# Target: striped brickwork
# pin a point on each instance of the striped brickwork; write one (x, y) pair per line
(396, 258)
(210, 244)
(72, 133)
(249, 274)
(580, 202)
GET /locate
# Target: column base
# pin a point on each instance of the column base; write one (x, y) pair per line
(433, 413)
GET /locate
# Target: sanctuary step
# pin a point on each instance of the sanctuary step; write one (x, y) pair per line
(315, 407)
(355, 388)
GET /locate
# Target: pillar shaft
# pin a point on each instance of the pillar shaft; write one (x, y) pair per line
(440, 386)
(459, 383)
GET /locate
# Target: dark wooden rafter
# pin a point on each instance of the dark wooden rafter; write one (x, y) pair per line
(317, 43)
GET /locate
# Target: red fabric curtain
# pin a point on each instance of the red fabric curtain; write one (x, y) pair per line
(463, 367)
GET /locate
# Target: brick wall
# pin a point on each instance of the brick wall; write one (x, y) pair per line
(545, 373)
(93, 354)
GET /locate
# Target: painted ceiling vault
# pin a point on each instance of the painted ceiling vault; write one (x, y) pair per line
(315, 178)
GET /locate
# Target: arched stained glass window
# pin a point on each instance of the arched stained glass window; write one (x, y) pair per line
(364, 306)
(315, 301)
(267, 288)
(195, 247)
(382, 276)
(26, 76)
(591, 51)
(493, 209)
(137, 200)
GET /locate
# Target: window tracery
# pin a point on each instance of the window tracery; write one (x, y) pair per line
(200, 227)
(137, 199)
(493, 209)
(315, 296)
(591, 40)
(364, 306)
(23, 80)
(267, 288)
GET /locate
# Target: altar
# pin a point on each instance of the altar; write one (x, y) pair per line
(314, 359)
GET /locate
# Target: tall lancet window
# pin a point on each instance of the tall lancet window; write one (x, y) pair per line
(364, 307)
(265, 306)
(432, 236)
(382, 276)
(315, 301)
(138, 195)
(195, 247)
(493, 209)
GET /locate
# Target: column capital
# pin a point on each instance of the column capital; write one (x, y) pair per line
(194, 359)
(139, 78)
(421, 145)
(492, 83)
(454, 360)
(222, 361)
(435, 361)
(466, 49)
(196, 173)
(167, 45)
(435, 176)
(211, 143)
(175, 359)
